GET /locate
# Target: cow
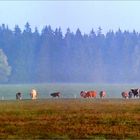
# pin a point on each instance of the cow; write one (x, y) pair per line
(88, 94)
(102, 94)
(33, 94)
(83, 94)
(136, 92)
(19, 96)
(130, 94)
(125, 94)
(55, 94)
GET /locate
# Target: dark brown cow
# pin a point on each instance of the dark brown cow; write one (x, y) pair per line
(55, 94)
(88, 94)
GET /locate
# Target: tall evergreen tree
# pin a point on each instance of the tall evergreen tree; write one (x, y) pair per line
(75, 57)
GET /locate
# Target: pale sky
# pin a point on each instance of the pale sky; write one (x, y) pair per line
(73, 14)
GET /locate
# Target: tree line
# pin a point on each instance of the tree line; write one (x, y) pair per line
(50, 56)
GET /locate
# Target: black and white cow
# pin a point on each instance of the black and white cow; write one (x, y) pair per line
(19, 96)
(136, 92)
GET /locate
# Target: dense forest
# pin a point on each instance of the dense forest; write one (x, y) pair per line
(49, 56)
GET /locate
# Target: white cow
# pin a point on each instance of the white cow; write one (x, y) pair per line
(33, 94)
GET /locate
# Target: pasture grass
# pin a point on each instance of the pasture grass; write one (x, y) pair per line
(70, 119)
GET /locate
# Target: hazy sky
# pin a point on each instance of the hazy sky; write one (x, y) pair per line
(83, 14)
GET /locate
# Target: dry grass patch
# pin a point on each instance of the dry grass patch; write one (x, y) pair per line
(70, 118)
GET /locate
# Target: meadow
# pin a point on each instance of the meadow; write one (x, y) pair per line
(70, 119)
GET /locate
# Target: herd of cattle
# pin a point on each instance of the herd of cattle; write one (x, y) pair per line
(133, 93)
(84, 94)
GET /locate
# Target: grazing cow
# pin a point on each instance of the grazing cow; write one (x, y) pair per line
(33, 94)
(88, 94)
(83, 94)
(125, 94)
(55, 94)
(102, 94)
(130, 94)
(136, 92)
(19, 96)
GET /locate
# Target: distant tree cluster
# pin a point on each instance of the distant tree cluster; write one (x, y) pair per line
(50, 56)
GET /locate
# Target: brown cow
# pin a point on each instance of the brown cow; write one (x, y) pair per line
(102, 94)
(88, 94)
(125, 94)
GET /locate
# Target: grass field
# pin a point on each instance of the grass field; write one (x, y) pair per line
(70, 119)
